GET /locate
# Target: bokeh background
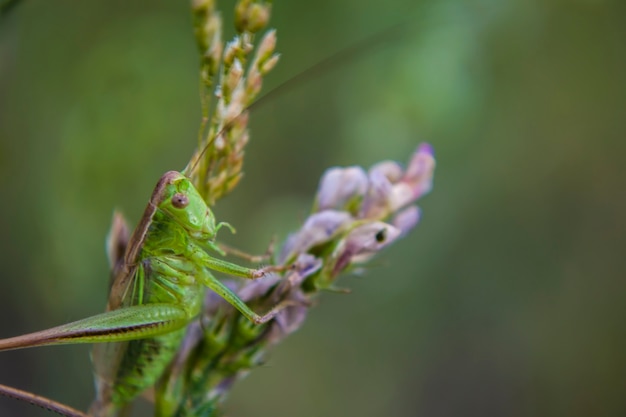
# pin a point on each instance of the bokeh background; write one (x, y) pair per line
(507, 300)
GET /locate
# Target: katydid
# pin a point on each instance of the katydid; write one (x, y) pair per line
(157, 290)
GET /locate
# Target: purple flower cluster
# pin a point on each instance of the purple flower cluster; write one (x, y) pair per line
(352, 208)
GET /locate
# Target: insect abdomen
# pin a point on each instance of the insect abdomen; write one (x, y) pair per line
(143, 363)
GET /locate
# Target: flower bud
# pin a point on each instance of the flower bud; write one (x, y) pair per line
(269, 65)
(231, 51)
(251, 16)
(419, 173)
(234, 75)
(202, 5)
(266, 46)
(417, 179)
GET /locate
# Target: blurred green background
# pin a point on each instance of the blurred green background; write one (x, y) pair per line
(507, 300)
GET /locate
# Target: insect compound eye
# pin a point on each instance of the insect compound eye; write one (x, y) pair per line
(381, 235)
(180, 200)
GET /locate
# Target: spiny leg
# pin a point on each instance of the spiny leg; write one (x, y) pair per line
(40, 401)
(129, 323)
(232, 299)
(240, 271)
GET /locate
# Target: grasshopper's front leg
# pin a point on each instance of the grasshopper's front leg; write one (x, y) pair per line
(129, 323)
(223, 291)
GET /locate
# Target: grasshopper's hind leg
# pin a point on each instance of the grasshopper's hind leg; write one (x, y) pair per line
(128, 323)
(39, 401)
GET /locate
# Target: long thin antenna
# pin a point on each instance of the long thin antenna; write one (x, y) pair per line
(344, 54)
(40, 401)
(347, 53)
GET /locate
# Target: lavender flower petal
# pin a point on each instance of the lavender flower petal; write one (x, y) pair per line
(390, 169)
(407, 219)
(340, 185)
(363, 242)
(371, 237)
(376, 201)
(318, 228)
(417, 179)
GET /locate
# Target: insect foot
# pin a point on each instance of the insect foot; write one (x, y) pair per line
(261, 272)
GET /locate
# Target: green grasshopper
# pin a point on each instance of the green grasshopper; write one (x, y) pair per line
(157, 290)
